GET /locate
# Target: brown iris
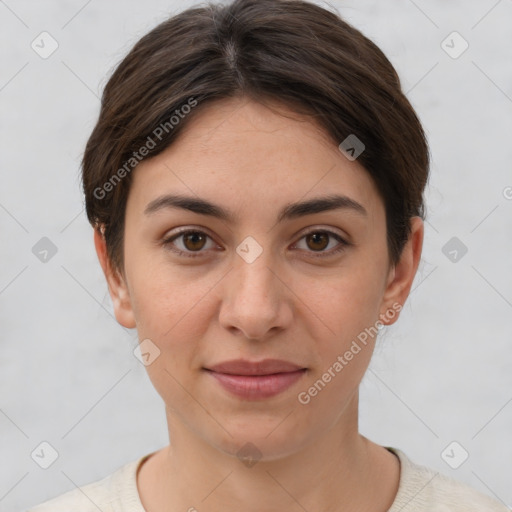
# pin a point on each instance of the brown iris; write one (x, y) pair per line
(318, 237)
(193, 237)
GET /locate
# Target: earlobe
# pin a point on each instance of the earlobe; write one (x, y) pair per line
(402, 275)
(117, 287)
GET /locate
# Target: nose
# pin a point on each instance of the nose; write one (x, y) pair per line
(255, 299)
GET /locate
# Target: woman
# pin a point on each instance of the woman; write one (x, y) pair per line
(255, 183)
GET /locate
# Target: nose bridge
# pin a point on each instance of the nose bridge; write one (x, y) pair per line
(252, 272)
(255, 297)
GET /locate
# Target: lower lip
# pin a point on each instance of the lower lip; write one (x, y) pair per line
(257, 386)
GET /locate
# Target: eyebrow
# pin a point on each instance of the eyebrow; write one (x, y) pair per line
(289, 212)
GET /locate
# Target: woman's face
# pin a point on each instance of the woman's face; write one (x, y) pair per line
(257, 284)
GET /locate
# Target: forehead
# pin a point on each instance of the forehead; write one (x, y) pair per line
(238, 152)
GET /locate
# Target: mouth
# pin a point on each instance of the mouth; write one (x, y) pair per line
(255, 368)
(258, 379)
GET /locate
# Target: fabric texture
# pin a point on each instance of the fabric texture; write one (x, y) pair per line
(421, 489)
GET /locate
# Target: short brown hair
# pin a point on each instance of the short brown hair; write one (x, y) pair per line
(292, 51)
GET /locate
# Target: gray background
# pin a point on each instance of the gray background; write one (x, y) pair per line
(68, 375)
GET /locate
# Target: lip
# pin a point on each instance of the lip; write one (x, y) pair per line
(258, 379)
(264, 367)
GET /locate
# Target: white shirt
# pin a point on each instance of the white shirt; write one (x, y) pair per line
(421, 489)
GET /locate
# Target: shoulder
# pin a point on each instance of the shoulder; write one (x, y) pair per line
(86, 498)
(117, 489)
(424, 489)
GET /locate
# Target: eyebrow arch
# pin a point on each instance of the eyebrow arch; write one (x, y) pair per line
(290, 211)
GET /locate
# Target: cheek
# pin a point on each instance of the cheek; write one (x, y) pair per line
(165, 297)
(170, 310)
(345, 305)
(350, 309)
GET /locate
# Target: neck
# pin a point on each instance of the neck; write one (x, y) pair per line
(338, 470)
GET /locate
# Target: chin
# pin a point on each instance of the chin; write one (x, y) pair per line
(259, 440)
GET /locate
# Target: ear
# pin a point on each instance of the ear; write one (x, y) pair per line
(116, 285)
(401, 276)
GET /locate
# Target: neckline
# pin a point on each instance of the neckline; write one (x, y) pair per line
(134, 468)
(133, 487)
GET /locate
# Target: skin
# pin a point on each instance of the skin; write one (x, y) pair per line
(287, 304)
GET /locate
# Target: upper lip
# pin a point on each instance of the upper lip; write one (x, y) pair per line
(264, 367)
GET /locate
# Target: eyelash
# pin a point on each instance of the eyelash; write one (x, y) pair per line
(342, 246)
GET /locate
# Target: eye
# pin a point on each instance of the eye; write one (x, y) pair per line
(318, 240)
(193, 240)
